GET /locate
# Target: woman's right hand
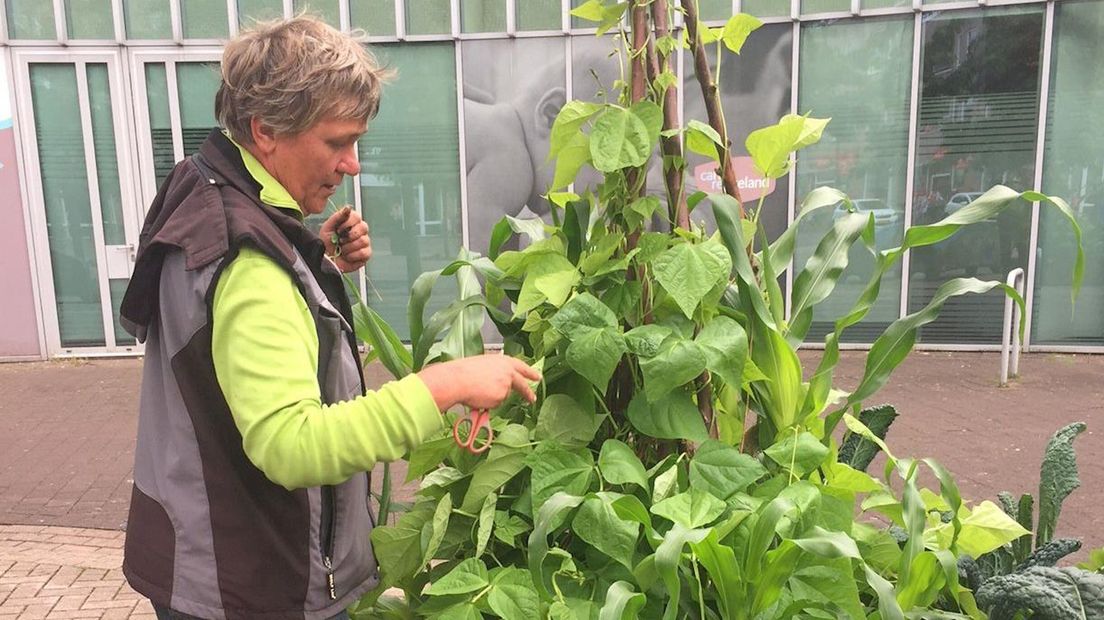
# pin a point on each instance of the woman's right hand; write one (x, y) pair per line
(479, 382)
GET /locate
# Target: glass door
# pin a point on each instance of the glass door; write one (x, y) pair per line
(73, 115)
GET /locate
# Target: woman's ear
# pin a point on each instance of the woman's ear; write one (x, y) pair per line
(263, 137)
(547, 108)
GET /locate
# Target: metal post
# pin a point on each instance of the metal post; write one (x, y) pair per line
(1012, 319)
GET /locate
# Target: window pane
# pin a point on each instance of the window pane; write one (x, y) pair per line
(483, 15)
(250, 11)
(157, 99)
(68, 208)
(858, 73)
(376, 17)
(325, 9)
(538, 14)
(513, 89)
(824, 6)
(410, 175)
(884, 4)
(204, 19)
(755, 92)
(978, 122)
(428, 17)
(118, 289)
(1073, 168)
(107, 161)
(31, 19)
(197, 83)
(714, 10)
(89, 19)
(766, 8)
(147, 19)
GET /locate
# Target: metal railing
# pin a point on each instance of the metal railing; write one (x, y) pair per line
(1010, 336)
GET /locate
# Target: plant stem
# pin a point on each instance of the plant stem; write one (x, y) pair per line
(712, 100)
(671, 146)
(385, 494)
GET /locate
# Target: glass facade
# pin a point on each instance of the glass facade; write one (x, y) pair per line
(89, 19)
(410, 175)
(977, 127)
(981, 79)
(1073, 167)
(858, 74)
(64, 174)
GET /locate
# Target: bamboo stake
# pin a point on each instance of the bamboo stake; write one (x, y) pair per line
(670, 146)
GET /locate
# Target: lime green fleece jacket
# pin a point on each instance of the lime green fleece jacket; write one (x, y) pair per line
(265, 351)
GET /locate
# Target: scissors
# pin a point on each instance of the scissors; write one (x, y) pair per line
(476, 421)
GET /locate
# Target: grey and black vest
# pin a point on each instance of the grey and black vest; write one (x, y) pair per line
(208, 534)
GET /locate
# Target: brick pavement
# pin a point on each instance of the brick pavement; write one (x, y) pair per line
(51, 572)
(67, 447)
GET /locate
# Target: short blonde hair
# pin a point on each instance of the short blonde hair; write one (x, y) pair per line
(291, 73)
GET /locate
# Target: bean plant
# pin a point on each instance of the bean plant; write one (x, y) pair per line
(679, 461)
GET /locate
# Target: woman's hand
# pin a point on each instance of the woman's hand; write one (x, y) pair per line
(479, 382)
(345, 236)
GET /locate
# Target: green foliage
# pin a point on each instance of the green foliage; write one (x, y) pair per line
(678, 463)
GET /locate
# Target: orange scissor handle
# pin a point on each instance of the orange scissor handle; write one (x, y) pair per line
(476, 422)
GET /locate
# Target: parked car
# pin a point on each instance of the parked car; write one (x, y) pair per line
(960, 200)
(883, 215)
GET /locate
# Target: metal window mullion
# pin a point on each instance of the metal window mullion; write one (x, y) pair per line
(343, 15)
(910, 173)
(1040, 147)
(60, 23)
(454, 16)
(569, 76)
(174, 111)
(177, 22)
(119, 20)
(3, 22)
(124, 153)
(737, 6)
(143, 131)
(856, 7)
(232, 17)
(289, 8)
(791, 202)
(511, 18)
(565, 16)
(795, 10)
(400, 19)
(358, 204)
(91, 170)
(462, 134)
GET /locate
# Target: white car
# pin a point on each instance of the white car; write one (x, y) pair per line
(883, 215)
(960, 200)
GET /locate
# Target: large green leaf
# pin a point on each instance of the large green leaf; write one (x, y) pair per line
(505, 459)
(726, 210)
(783, 247)
(723, 470)
(924, 581)
(622, 603)
(770, 147)
(565, 421)
(398, 547)
(386, 344)
(823, 269)
(467, 576)
(595, 355)
(800, 453)
(465, 335)
(688, 271)
(821, 582)
(486, 524)
(984, 529)
(549, 277)
(891, 348)
(691, 509)
(433, 532)
(620, 465)
(781, 397)
(725, 345)
(551, 514)
(678, 362)
(570, 159)
(723, 568)
(568, 122)
(645, 340)
(597, 524)
(428, 456)
(737, 29)
(652, 116)
(667, 559)
(673, 417)
(619, 139)
(703, 140)
(512, 596)
(556, 469)
(1058, 479)
(1052, 593)
(581, 314)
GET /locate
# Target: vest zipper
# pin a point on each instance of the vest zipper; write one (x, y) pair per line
(326, 535)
